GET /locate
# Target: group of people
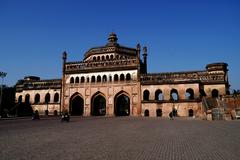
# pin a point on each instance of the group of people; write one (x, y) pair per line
(65, 117)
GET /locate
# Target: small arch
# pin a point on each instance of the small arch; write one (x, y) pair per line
(174, 95)
(190, 113)
(98, 78)
(107, 57)
(111, 56)
(146, 95)
(103, 58)
(122, 77)
(20, 99)
(110, 78)
(94, 58)
(146, 113)
(104, 78)
(88, 80)
(27, 99)
(71, 80)
(56, 97)
(76, 104)
(93, 79)
(159, 112)
(128, 77)
(189, 95)
(115, 77)
(77, 80)
(47, 98)
(82, 79)
(158, 95)
(215, 93)
(98, 58)
(37, 98)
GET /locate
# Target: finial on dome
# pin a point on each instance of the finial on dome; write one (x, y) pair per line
(112, 38)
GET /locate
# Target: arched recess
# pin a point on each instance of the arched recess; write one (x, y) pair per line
(71, 80)
(146, 113)
(214, 93)
(98, 107)
(122, 104)
(174, 95)
(128, 77)
(158, 95)
(20, 99)
(146, 95)
(37, 98)
(159, 112)
(77, 80)
(27, 99)
(76, 104)
(190, 113)
(121, 77)
(189, 95)
(56, 97)
(47, 98)
(115, 77)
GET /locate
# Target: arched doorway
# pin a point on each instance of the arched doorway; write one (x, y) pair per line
(98, 105)
(122, 105)
(146, 113)
(159, 112)
(76, 105)
(190, 113)
(214, 93)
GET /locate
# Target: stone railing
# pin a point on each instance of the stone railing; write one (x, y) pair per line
(171, 77)
(42, 84)
(73, 66)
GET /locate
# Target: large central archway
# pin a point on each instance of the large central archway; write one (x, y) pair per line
(98, 105)
(122, 105)
(76, 105)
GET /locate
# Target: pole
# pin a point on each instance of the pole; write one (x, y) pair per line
(2, 75)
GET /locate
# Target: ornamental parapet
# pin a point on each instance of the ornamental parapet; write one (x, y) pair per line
(41, 84)
(89, 65)
(181, 77)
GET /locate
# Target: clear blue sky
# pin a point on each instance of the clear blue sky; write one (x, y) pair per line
(181, 35)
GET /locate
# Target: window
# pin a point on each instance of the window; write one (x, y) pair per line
(93, 79)
(128, 77)
(47, 98)
(122, 77)
(37, 98)
(115, 77)
(158, 95)
(71, 80)
(146, 95)
(56, 97)
(77, 80)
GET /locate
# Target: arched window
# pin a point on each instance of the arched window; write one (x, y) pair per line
(128, 77)
(37, 98)
(110, 78)
(189, 94)
(94, 58)
(104, 79)
(98, 58)
(93, 79)
(107, 57)
(174, 95)
(87, 79)
(103, 58)
(71, 80)
(98, 78)
(115, 77)
(146, 95)
(214, 93)
(82, 79)
(111, 56)
(77, 80)
(20, 99)
(27, 99)
(56, 97)
(122, 77)
(47, 98)
(158, 95)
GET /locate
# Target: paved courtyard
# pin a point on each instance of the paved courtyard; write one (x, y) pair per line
(119, 138)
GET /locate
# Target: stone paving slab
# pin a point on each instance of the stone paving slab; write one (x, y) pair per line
(116, 138)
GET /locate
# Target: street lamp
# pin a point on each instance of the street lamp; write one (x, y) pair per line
(2, 75)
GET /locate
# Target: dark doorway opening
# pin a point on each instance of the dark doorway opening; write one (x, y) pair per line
(159, 113)
(146, 113)
(190, 113)
(98, 106)
(76, 106)
(122, 106)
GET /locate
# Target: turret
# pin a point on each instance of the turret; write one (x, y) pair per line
(145, 58)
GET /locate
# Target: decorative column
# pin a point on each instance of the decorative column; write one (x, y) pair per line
(62, 105)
